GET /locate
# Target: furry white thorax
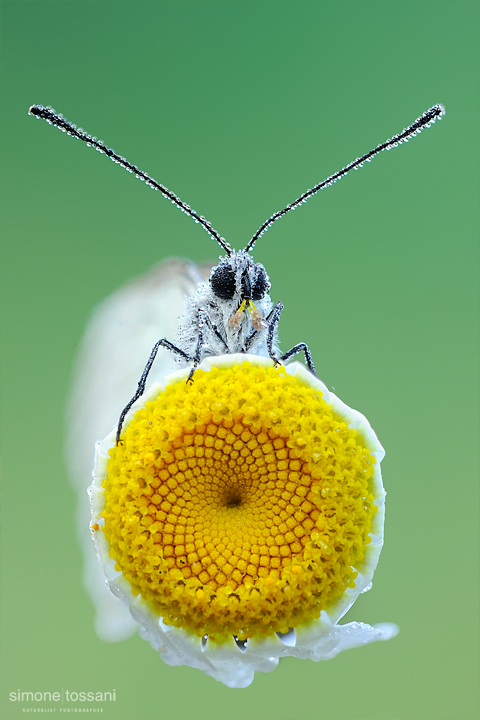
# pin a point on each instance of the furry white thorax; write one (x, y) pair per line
(221, 312)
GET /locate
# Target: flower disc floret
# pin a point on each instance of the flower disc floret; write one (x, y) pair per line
(240, 504)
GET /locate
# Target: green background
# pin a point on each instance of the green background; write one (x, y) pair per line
(239, 107)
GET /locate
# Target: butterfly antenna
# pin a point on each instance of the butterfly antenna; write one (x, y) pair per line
(59, 121)
(424, 121)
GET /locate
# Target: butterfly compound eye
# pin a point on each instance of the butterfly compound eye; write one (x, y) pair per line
(223, 283)
(261, 285)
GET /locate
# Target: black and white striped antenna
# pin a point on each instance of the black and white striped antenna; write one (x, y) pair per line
(424, 121)
(59, 121)
(436, 112)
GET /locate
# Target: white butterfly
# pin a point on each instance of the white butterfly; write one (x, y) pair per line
(202, 318)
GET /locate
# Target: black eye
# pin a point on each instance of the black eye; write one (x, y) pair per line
(261, 285)
(223, 282)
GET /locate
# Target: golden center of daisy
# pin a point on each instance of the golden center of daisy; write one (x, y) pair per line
(238, 505)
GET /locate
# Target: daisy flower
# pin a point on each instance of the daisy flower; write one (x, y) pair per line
(237, 509)
(240, 516)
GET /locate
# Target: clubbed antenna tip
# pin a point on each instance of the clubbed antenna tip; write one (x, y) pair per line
(59, 121)
(436, 112)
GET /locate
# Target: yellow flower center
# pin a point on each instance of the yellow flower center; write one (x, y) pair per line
(239, 504)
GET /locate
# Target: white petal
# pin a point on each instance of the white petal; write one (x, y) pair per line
(113, 353)
(232, 663)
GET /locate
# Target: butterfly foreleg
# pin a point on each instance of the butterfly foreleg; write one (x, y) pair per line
(163, 342)
(203, 321)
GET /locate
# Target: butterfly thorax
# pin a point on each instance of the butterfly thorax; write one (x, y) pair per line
(235, 304)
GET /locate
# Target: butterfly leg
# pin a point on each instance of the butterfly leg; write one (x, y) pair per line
(301, 347)
(197, 356)
(272, 322)
(203, 320)
(141, 383)
(213, 328)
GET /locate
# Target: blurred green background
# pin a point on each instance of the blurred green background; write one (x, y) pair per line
(239, 107)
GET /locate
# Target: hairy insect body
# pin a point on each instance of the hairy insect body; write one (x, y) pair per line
(233, 324)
